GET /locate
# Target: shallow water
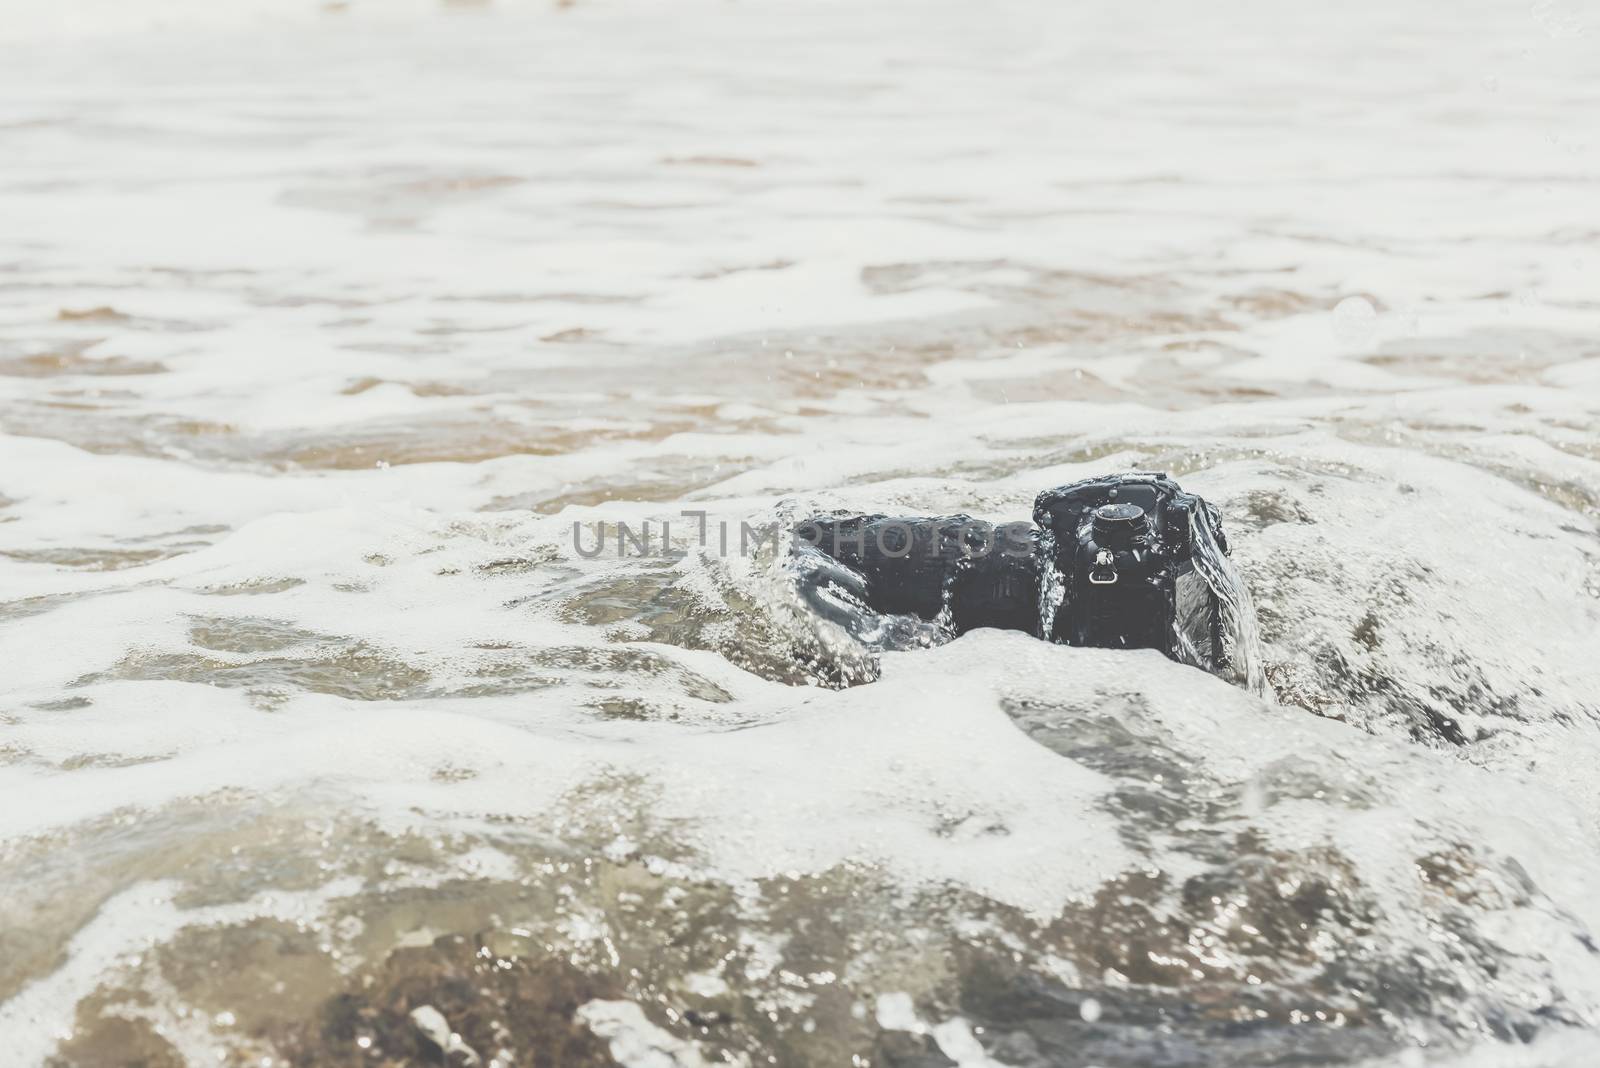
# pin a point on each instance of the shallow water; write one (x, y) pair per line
(322, 326)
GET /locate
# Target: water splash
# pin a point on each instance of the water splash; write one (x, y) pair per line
(1242, 635)
(946, 619)
(1052, 591)
(827, 599)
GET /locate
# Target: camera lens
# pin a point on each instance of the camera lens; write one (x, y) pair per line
(1118, 524)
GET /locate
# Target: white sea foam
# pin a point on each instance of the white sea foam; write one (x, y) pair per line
(321, 326)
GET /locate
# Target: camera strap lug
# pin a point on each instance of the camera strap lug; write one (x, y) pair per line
(1102, 573)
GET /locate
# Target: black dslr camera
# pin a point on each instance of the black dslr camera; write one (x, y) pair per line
(1131, 554)
(1120, 562)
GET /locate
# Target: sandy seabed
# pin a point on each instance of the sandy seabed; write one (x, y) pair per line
(322, 326)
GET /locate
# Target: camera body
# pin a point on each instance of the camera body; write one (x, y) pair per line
(1116, 562)
(1121, 572)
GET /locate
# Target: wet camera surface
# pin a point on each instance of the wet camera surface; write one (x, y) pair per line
(1113, 562)
(1123, 553)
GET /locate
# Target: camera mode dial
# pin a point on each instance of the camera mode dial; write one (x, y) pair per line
(1118, 525)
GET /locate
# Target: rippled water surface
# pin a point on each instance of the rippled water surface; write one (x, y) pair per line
(324, 328)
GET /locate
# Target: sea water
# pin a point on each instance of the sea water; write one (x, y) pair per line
(332, 335)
